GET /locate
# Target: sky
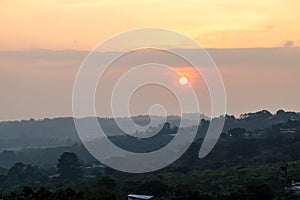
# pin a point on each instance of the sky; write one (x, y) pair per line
(254, 43)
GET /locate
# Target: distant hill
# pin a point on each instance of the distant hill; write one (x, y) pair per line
(61, 131)
(42, 141)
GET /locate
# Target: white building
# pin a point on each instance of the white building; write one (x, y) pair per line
(139, 197)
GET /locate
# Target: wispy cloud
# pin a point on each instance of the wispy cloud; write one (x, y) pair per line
(251, 57)
(38, 82)
(76, 2)
(288, 44)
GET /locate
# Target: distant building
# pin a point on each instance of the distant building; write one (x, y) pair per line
(54, 176)
(249, 136)
(94, 170)
(96, 166)
(139, 197)
(288, 130)
(294, 188)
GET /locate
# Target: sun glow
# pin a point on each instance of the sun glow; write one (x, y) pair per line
(183, 80)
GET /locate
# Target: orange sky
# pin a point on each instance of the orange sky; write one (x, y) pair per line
(36, 77)
(82, 24)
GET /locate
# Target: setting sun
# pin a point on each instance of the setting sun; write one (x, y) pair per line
(183, 80)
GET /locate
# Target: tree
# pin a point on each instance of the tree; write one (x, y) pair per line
(27, 192)
(69, 166)
(155, 187)
(104, 189)
(43, 193)
(22, 173)
(261, 192)
(237, 132)
(68, 194)
(106, 183)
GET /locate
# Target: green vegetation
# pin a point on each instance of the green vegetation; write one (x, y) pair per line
(247, 163)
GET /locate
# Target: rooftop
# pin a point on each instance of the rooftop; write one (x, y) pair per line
(135, 196)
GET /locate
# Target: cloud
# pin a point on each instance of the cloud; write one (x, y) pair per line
(269, 27)
(39, 81)
(76, 2)
(257, 57)
(33, 55)
(288, 44)
(242, 57)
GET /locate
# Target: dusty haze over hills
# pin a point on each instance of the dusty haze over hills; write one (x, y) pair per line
(256, 49)
(38, 83)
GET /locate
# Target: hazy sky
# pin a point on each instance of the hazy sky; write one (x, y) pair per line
(254, 43)
(82, 24)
